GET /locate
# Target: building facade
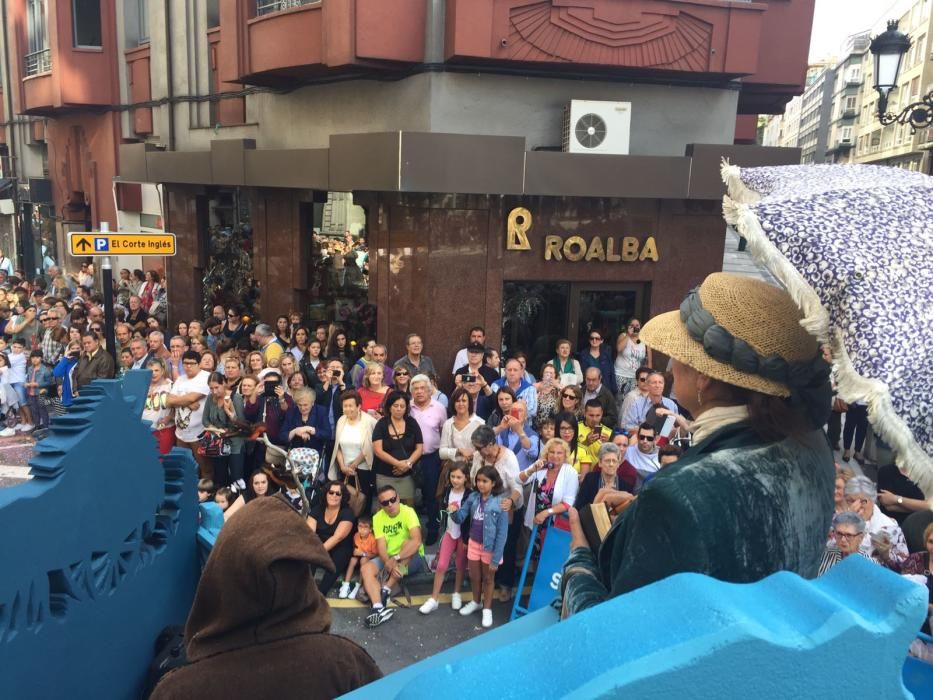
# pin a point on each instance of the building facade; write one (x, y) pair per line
(815, 112)
(420, 165)
(895, 145)
(846, 111)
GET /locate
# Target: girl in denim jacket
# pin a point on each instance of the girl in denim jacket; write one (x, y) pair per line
(488, 528)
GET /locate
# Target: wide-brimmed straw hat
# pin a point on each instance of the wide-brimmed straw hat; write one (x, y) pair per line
(741, 331)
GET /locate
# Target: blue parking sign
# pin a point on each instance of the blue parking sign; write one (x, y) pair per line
(101, 244)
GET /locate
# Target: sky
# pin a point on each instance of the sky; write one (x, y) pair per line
(834, 20)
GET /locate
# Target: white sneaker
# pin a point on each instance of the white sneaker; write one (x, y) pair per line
(487, 617)
(469, 608)
(353, 591)
(430, 605)
(7, 432)
(456, 602)
(344, 589)
(25, 427)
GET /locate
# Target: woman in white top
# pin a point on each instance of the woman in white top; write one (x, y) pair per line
(631, 354)
(156, 410)
(353, 446)
(556, 483)
(885, 538)
(457, 431)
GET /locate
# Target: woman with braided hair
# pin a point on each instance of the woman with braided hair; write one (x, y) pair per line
(753, 494)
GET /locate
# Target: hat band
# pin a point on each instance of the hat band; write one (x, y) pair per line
(721, 345)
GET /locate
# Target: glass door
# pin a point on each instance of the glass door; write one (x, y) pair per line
(605, 308)
(536, 314)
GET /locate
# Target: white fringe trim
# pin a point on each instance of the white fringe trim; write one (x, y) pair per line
(850, 385)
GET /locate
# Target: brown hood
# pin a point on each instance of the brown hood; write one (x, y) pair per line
(257, 585)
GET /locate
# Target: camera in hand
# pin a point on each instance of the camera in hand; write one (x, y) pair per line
(469, 378)
(550, 465)
(269, 389)
(336, 373)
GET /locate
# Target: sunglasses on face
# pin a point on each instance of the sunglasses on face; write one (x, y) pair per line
(642, 379)
(568, 396)
(334, 493)
(389, 501)
(401, 374)
(595, 337)
(649, 438)
(847, 535)
(634, 328)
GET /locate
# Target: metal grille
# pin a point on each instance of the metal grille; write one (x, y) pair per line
(38, 62)
(267, 7)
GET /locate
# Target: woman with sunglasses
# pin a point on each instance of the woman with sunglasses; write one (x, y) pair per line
(401, 376)
(571, 401)
(333, 521)
(631, 354)
(597, 355)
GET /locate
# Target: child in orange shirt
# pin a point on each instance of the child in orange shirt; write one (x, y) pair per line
(364, 548)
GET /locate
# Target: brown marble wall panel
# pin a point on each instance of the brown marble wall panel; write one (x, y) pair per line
(435, 272)
(449, 260)
(186, 212)
(278, 252)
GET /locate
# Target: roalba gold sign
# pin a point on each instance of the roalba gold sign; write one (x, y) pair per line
(576, 248)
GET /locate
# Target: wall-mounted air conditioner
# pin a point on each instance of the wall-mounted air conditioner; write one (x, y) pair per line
(592, 126)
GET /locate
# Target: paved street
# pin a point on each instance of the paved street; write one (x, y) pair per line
(410, 636)
(15, 453)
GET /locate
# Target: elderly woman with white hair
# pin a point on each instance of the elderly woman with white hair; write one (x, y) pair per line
(849, 532)
(885, 538)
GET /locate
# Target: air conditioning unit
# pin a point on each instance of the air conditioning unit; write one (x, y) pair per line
(592, 126)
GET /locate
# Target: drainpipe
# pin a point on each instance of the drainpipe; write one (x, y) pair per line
(8, 98)
(169, 75)
(434, 21)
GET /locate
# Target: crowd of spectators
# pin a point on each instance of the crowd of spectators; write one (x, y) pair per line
(474, 471)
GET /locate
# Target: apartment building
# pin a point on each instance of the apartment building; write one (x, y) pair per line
(815, 110)
(357, 159)
(790, 123)
(895, 145)
(846, 113)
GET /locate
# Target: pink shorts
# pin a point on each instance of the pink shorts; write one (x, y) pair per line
(448, 547)
(475, 552)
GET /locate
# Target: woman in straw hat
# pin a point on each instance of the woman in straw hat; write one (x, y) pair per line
(754, 494)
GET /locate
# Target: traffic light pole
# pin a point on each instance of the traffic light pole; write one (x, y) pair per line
(107, 271)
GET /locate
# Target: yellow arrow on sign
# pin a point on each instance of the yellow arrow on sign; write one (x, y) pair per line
(103, 244)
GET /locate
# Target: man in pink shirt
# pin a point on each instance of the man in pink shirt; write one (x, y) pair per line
(431, 416)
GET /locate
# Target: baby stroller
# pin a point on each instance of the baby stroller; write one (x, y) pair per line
(296, 468)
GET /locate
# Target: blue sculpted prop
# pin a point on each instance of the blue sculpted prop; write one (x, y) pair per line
(98, 551)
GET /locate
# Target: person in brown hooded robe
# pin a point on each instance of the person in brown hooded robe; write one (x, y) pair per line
(259, 626)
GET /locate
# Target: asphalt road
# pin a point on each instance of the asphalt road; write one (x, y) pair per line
(410, 636)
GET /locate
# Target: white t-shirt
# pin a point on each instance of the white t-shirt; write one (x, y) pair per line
(17, 367)
(453, 529)
(188, 423)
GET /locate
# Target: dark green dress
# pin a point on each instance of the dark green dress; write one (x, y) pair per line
(734, 507)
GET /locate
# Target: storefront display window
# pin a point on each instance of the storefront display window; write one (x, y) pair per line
(228, 277)
(340, 267)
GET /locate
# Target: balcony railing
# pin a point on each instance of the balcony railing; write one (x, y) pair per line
(38, 62)
(267, 7)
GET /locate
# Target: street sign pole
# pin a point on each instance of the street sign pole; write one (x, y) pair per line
(107, 270)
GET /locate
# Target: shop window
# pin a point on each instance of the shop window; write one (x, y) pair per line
(339, 260)
(153, 221)
(228, 277)
(85, 16)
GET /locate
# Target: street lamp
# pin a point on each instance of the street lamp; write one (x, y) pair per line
(888, 49)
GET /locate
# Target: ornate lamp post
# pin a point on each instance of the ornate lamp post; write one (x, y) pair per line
(888, 49)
